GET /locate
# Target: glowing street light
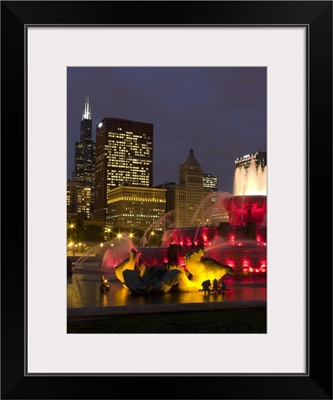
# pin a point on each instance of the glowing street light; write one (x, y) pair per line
(71, 246)
(72, 236)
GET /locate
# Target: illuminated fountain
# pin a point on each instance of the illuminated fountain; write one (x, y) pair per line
(117, 250)
(243, 237)
(250, 180)
(238, 242)
(247, 210)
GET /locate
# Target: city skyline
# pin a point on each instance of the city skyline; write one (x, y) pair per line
(219, 112)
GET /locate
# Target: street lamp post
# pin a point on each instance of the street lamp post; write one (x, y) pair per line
(71, 244)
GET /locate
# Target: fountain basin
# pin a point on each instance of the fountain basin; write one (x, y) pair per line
(239, 243)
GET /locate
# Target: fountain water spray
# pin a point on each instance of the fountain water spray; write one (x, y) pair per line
(251, 180)
(238, 240)
(162, 220)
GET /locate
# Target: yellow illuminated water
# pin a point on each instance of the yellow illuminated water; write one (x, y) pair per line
(83, 290)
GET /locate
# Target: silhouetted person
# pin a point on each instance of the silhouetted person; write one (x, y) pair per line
(215, 286)
(206, 286)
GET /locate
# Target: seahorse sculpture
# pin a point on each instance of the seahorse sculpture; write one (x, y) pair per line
(128, 264)
(161, 279)
(205, 268)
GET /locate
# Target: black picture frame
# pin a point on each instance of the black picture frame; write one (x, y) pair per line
(316, 16)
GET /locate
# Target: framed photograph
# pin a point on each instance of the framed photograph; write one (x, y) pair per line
(292, 42)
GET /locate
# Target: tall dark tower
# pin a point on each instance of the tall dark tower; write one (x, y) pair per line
(84, 156)
(124, 157)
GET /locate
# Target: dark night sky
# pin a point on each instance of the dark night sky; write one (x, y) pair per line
(220, 112)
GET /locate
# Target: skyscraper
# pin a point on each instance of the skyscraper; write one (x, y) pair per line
(84, 154)
(210, 181)
(124, 156)
(79, 200)
(136, 208)
(260, 158)
(83, 175)
(187, 197)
